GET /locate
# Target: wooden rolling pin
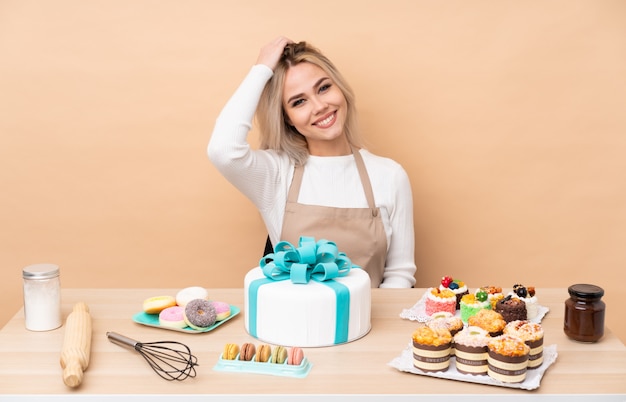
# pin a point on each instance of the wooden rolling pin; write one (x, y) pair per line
(76, 345)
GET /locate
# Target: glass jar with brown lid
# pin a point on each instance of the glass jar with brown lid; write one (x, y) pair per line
(584, 313)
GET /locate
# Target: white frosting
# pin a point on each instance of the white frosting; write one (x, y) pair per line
(491, 296)
(304, 315)
(458, 290)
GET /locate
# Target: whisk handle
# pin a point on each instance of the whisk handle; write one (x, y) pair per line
(123, 340)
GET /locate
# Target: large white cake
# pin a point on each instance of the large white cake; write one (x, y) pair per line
(308, 314)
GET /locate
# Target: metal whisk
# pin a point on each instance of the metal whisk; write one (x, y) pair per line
(169, 359)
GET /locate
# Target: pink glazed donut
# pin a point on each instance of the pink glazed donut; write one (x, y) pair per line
(222, 309)
(172, 317)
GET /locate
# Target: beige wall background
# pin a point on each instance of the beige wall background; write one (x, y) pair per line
(507, 115)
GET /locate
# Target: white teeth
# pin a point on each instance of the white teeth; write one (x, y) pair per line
(326, 120)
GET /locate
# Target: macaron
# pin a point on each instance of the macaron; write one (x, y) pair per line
(231, 350)
(296, 355)
(247, 351)
(172, 317)
(186, 295)
(222, 310)
(279, 355)
(156, 304)
(264, 351)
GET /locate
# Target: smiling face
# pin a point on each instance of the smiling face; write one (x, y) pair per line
(317, 108)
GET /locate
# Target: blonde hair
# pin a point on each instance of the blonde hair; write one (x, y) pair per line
(275, 132)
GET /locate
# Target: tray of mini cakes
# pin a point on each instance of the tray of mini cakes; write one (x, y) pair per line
(264, 359)
(484, 336)
(190, 311)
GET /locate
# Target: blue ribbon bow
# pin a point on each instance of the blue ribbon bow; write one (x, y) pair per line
(320, 261)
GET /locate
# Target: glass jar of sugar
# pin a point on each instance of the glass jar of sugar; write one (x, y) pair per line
(42, 297)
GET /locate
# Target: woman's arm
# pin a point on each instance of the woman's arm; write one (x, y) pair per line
(400, 265)
(255, 173)
(228, 147)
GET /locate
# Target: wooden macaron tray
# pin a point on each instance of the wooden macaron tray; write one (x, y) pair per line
(278, 369)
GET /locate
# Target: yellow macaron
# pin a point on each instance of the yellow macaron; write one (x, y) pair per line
(231, 350)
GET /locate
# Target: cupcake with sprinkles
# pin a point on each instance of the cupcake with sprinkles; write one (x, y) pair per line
(456, 286)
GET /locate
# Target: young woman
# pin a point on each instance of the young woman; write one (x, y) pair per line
(311, 175)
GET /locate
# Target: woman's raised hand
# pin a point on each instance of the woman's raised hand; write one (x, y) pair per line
(271, 53)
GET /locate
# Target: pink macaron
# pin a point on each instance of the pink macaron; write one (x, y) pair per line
(222, 309)
(295, 356)
(172, 317)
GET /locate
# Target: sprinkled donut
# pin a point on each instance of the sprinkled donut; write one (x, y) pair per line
(200, 314)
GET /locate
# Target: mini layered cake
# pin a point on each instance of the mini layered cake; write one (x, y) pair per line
(527, 294)
(494, 294)
(489, 320)
(431, 349)
(532, 335)
(471, 351)
(471, 304)
(438, 300)
(512, 309)
(507, 359)
(456, 286)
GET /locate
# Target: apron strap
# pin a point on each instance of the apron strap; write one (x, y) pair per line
(298, 172)
(365, 180)
(296, 182)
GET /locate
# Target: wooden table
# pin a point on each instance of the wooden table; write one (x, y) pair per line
(29, 361)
